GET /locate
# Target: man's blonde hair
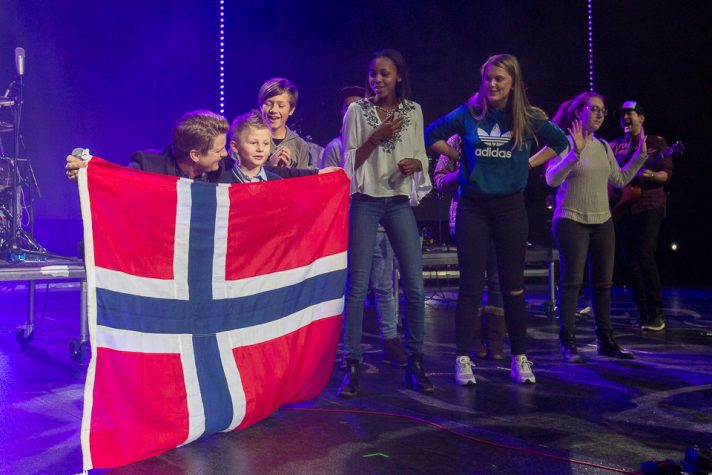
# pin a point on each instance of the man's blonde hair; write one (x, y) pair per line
(196, 130)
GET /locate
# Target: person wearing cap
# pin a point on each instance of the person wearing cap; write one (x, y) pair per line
(639, 224)
(381, 279)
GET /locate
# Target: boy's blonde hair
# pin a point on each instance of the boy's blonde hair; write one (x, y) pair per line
(252, 119)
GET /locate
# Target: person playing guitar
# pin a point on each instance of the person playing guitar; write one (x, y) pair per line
(640, 211)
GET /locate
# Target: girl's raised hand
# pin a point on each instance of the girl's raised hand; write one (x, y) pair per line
(579, 136)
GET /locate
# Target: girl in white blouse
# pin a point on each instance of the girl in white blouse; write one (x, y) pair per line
(384, 155)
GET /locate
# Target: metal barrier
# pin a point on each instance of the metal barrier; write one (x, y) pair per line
(50, 271)
(540, 262)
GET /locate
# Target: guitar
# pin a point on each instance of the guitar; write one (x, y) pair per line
(621, 200)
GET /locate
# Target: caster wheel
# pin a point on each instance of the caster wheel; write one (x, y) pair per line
(23, 337)
(78, 350)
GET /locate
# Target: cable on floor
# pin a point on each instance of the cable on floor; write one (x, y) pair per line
(468, 437)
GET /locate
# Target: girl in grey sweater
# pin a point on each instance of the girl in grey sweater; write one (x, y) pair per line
(582, 223)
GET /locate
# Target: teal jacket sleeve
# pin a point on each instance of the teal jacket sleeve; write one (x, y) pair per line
(447, 126)
(550, 135)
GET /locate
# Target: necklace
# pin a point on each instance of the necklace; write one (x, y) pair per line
(389, 112)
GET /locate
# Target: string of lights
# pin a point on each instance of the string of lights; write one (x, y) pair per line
(590, 44)
(222, 57)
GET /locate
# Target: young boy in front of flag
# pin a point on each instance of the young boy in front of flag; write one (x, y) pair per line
(250, 139)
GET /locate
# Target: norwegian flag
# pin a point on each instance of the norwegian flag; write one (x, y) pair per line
(210, 306)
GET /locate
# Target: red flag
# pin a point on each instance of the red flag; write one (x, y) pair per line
(210, 306)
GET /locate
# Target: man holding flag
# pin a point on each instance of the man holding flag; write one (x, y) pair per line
(200, 321)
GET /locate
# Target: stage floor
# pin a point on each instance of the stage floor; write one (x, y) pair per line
(607, 413)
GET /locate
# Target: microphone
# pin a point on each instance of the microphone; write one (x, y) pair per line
(82, 153)
(20, 61)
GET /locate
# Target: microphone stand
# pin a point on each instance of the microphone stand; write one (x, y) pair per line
(439, 197)
(14, 247)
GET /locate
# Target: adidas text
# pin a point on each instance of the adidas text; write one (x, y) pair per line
(493, 152)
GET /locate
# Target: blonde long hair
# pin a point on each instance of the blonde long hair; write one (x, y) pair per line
(522, 111)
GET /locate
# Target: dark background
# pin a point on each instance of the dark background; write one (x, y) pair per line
(113, 76)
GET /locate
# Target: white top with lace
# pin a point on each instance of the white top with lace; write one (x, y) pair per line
(379, 175)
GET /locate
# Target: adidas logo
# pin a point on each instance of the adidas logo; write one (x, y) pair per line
(494, 139)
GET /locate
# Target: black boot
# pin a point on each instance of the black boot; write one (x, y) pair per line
(478, 330)
(569, 352)
(607, 346)
(393, 352)
(415, 374)
(350, 385)
(493, 329)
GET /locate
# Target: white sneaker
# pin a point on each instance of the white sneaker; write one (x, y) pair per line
(587, 311)
(522, 370)
(463, 371)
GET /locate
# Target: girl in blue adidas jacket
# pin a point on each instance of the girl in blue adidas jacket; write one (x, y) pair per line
(498, 127)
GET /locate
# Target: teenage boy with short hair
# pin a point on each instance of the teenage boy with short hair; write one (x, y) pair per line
(278, 100)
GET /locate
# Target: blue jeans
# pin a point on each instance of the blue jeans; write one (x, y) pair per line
(396, 216)
(382, 285)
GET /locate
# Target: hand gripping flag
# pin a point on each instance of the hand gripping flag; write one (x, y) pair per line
(210, 306)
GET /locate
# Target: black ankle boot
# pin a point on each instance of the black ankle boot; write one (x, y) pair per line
(350, 385)
(607, 346)
(569, 352)
(493, 329)
(393, 352)
(415, 374)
